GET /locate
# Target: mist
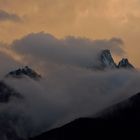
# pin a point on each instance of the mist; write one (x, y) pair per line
(68, 89)
(68, 94)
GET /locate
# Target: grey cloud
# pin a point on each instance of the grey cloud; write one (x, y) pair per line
(70, 50)
(6, 61)
(71, 93)
(65, 92)
(6, 16)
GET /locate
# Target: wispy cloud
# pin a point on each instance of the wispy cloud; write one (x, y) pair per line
(6, 16)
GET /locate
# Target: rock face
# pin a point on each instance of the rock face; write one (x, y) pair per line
(26, 71)
(108, 62)
(124, 63)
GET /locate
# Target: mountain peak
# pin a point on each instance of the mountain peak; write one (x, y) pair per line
(107, 59)
(25, 71)
(124, 63)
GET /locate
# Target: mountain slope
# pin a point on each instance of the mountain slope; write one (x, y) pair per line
(10, 121)
(6, 92)
(118, 120)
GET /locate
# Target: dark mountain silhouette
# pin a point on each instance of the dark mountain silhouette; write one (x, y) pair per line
(120, 120)
(26, 71)
(116, 119)
(124, 63)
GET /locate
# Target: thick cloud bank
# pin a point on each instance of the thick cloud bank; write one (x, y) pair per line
(67, 90)
(70, 50)
(70, 93)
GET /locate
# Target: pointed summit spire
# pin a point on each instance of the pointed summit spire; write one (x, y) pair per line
(107, 59)
(124, 63)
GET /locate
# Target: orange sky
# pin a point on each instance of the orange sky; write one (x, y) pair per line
(95, 19)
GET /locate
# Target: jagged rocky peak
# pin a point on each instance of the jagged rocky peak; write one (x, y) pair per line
(124, 63)
(25, 71)
(107, 59)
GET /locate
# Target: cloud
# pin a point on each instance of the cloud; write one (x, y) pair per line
(5, 16)
(43, 47)
(7, 62)
(67, 94)
(67, 90)
(87, 18)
